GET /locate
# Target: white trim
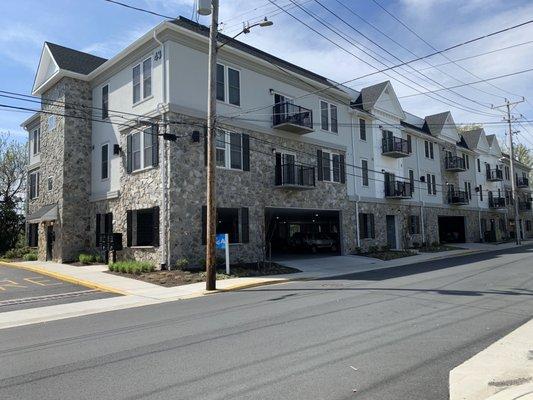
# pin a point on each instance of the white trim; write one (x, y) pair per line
(104, 196)
(331, 154)
(108, 163)
(330, 104)
(227, 150)
(226, 68)
(140, 64)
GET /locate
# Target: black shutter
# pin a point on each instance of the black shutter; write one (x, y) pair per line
(204, 224)
(372, 229)
(98, 229)
(361, 226)
(205, 145)
(245, 225)
(245, 152)
(129, 155)
(109, 223)
(155, 145)
(343, 168)
(129, 227)
(319, 165)
(278, 177)
(155, 225)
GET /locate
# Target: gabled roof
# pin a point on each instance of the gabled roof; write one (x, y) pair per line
(490, 139)
(370, 95)
(472, 137)
(435, 122)
(74, 60)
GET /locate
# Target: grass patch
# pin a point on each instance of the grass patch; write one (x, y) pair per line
(30, 257)
(87, 259)
(132, 267)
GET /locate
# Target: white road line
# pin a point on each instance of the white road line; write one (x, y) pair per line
(58, 296)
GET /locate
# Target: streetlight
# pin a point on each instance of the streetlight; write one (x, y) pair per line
(206, 7)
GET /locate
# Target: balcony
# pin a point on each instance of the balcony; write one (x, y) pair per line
(522, 182)
(496, 202)
(457, 197)
(398, 190)
(454, 164)
(394, 147)
(295, 176)
(494, 175)
(292, 118)
(524, 205)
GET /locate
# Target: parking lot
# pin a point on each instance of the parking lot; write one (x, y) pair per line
(22, 289)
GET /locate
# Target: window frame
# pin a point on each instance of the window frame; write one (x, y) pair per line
(102, 178)
(226, 85)
(36, 141)
(140, 64)
(50, 183)
(364, 173)
(50, 125)
(227, 150)
(414, 224)
(142, 148)
(155, 223)
(331, 176)
(105, 101)
(363, 124)
(330, 105)
(35, 194)
(367, 226)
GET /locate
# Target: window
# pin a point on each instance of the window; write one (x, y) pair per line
(232, 91)
(469, 191)
(229, 150)
(104, 162)
(33, 235)
(466, 159)
(362, 129)
(434, 184)
(364, 172)
(143, 227)
(414, 224)
(51, 122)
(412, 180)
(507, 173)
(409, 144)
(233, 221)
(478, 165)
(480, 193)
(328, 117)
(428, 182)
(50, 183)
(142, 151)
(105, 102)
(142, 80)
(426, 148)
(431, 150)
(366, 226)
(34, 184)
(36, 141)
(331, 167)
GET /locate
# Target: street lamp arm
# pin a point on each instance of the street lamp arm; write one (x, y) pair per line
(246, 29)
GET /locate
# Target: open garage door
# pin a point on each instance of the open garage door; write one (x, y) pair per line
(452, 229)
(302, 231)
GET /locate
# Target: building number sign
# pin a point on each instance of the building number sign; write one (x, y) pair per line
(157, 55)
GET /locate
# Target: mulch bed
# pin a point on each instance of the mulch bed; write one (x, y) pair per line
(388, 255)
(436, 249)
(181, 277)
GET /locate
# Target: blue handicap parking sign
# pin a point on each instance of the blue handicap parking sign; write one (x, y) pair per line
(221, 241)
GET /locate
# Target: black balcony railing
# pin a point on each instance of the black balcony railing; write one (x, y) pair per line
(295, 175)
(494, 174)
(496, 202)
(454, 163)
(522, 182)
(524, 205)
(395, 146)
(457, 197)
(398, 189)
(293, 116)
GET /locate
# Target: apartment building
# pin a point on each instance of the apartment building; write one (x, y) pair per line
(297, 157)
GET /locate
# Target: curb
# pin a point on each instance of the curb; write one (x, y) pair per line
(65, 278)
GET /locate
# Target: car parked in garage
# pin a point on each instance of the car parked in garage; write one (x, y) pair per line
(313, 241)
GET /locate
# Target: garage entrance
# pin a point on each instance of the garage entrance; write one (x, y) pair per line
(302, 231)
(452, 229)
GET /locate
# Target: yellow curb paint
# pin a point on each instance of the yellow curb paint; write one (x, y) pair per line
(65, 278)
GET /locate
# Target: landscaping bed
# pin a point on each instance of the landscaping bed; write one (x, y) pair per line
(438, 248)
(386, 255)
(146, 273)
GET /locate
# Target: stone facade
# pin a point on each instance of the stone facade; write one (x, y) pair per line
(64, 150)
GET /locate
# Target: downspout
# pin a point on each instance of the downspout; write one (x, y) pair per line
(354, 160)
(422, 219)
(165, 167)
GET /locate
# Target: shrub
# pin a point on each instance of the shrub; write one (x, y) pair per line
(385, 248)
(86, 258)
(18, 252)
(373, 249)
(131, 267)
(358, 250)
(435, 244)
(182, 263)
(30, 257)
(416, 245)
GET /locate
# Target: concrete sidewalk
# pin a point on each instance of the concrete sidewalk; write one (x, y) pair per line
(138, 293)
(503, 371)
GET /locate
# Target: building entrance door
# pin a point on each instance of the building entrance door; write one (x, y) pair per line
(391, 231)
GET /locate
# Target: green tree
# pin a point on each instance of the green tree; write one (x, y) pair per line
(13, 161)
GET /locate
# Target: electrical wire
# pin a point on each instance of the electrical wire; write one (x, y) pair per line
(119, 3)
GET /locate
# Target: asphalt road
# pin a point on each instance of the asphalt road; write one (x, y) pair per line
(22, 289)
(388, 334)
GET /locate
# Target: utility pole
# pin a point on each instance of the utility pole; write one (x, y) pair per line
(210, 283)
(514, 195)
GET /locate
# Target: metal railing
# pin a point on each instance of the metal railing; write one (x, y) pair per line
(522, 182)
(295, 175)
(454, 162)
(495, 174)
(289, 113)
(496, 202)
(394, 145)
(395, 188)
(457, 197)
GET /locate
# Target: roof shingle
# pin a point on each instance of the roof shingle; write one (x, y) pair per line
(74, 60)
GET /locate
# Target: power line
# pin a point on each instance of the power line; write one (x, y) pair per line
(431, 46)
(139, 9)
(336, 85)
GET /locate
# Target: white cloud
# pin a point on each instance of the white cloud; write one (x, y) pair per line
(19, 42)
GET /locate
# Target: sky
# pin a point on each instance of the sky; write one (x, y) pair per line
(362, 37)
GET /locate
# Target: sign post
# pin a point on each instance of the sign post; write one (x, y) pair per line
(222, 242)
